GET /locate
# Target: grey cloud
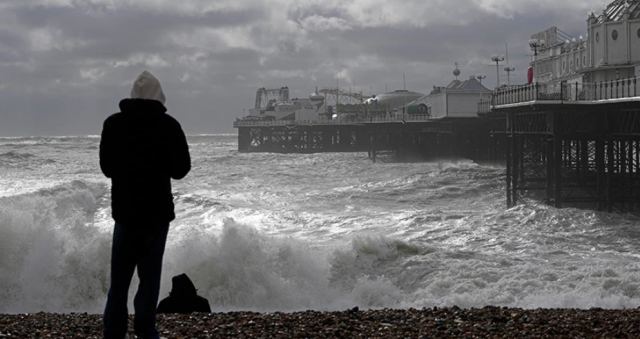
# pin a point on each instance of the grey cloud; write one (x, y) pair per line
(210, 77)
(118, 33)
(97, 22)
(13, 47)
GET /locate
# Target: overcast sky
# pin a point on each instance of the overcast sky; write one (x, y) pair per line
(65, 64)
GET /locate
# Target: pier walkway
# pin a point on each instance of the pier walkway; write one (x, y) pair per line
(371, 120)
(577, 93)
(409, 136)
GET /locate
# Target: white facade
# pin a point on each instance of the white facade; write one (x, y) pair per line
(610, 51)
(560, 59)
(614, 44)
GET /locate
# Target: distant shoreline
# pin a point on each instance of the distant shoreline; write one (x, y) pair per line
(388, 323)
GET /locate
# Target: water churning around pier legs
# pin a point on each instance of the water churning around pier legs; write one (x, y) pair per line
(321, 231)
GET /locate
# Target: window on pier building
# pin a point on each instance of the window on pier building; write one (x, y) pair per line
(544, 67)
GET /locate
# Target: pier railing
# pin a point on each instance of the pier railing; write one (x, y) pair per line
(565, 92)
(406, 118)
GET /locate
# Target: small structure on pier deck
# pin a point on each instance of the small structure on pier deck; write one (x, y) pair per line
(459, 99)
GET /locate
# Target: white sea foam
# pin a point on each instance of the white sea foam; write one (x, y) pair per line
(52, 257)
(240, 268)
(322, 231)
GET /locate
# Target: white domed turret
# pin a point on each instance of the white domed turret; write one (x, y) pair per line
(315, 96)
(456, 71)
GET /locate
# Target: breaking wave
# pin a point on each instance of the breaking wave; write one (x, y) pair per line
(240, 268)
(274, 232)
(52, 257)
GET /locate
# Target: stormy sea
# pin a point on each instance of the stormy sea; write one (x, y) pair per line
(288, 232)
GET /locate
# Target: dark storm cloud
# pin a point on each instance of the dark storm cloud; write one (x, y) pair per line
(12, 47)
(434, 49)
(66, 63)
(105, 33)
(439, 43)
(89, 19)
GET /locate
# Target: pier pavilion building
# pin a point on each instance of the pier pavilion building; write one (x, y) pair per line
(610, 51)
(573, 133)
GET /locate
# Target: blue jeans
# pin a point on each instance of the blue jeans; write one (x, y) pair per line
(141, 247)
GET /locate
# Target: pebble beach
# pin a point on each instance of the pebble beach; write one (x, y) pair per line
(487, 322)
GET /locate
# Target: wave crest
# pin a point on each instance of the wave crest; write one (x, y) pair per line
(52, 258)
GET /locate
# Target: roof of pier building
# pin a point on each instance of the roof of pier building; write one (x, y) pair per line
(470, 85)
(616, 10)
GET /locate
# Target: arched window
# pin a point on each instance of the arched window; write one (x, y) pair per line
(614, 35)
(597, 36)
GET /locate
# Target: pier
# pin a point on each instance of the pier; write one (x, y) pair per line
(569, 137)
(577, 145)
(409, 138)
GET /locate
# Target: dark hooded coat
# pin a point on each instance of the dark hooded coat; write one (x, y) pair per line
(141, 149)
(183, 298)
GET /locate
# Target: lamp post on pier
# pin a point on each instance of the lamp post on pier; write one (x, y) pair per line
(497, 59)
(535, 44)
(509, 70)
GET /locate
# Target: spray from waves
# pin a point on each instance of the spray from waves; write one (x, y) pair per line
(54, 260)
(240, 268)
(55, 257)
(52, 257)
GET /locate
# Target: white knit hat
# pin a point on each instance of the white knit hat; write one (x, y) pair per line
(147, 86)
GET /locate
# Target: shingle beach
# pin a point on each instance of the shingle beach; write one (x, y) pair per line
(493, 322)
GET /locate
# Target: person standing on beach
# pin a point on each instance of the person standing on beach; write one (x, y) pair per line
(141, 149)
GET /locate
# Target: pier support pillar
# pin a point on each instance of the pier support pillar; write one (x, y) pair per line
(557, 170)
(372, 147)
